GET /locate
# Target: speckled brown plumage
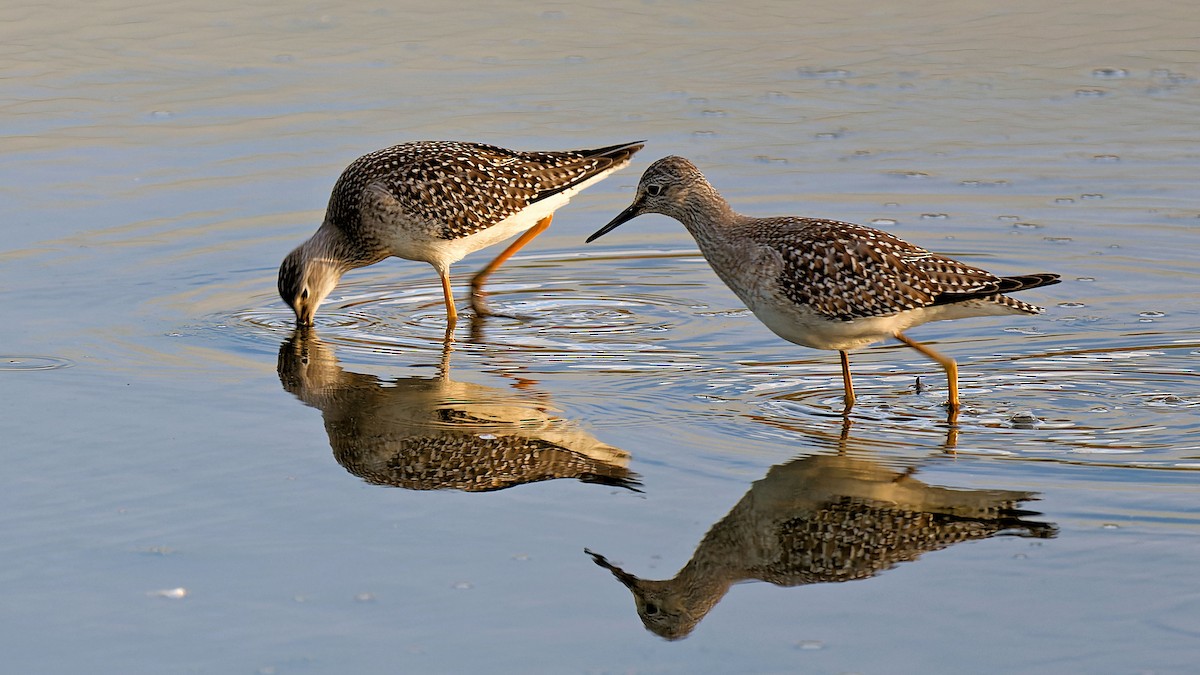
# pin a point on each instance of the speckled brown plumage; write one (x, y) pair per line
(465, 460)
(437, 201)
(821, 519)
(462, 188)
(821, 283)
(436, 433)
(845, 271)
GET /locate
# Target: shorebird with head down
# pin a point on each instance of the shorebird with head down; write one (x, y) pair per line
(437, 201)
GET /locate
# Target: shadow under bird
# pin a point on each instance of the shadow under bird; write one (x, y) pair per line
(435, 433)
(437, 201)
(822, 519)
(826, 284)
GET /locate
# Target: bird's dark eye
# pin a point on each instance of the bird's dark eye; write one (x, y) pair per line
(304, 294)
(651, 609)
(654, 190)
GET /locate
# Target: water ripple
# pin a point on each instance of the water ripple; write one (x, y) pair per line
(24, 362)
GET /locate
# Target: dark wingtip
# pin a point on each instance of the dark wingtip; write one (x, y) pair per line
(617, 153)
(1024, 282)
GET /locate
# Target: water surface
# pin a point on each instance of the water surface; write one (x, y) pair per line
(189, 486)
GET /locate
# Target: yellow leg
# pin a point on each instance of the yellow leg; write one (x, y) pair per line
(846, 383)
(448, 295)
(945, 362)
(478, 303)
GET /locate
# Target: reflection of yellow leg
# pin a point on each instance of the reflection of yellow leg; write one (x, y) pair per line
(447, 347)
(478, 303)
(951, 429)
(945, 362)
(846, 383)
(451, 313)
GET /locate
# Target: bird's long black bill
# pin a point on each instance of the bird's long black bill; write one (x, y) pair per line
(622, 217)
(627, 579)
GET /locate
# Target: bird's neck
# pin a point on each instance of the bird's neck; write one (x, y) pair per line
(330, 246)
(708, 216)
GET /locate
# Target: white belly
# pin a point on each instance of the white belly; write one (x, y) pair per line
(803, 327)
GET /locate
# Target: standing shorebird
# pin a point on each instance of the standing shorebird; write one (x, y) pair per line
(826, 284)
(437, 201)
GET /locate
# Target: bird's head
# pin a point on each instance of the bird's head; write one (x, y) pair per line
(667, 187)
(304, 282)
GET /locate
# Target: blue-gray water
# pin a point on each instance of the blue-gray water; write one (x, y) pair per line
(187, 488)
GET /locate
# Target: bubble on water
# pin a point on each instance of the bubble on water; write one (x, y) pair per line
(916, 175)
(823, 73)
(891, 205)
(999, 182)
(934, 216)
(1085, 278)
(767, 159)
(1110, 526)
(714, 113)
(704, 134)
(463, 586)
(1090, 93)
(1105, 158)
(828, 135)
(162, 114)
(810, 645)
(1091, 195)
(1152, 314)
(1057, 240)
(1028, 226)
(883, 221)
(1008, 217)
(1064, 200)
(1109, 73)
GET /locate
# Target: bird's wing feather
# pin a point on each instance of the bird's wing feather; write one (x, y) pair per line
(462, 188)
(846, 271)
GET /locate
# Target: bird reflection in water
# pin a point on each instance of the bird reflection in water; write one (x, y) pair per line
(819, 519)
(436, 433)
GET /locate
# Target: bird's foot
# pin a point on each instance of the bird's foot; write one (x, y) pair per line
(480, 306)
(479, 303)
